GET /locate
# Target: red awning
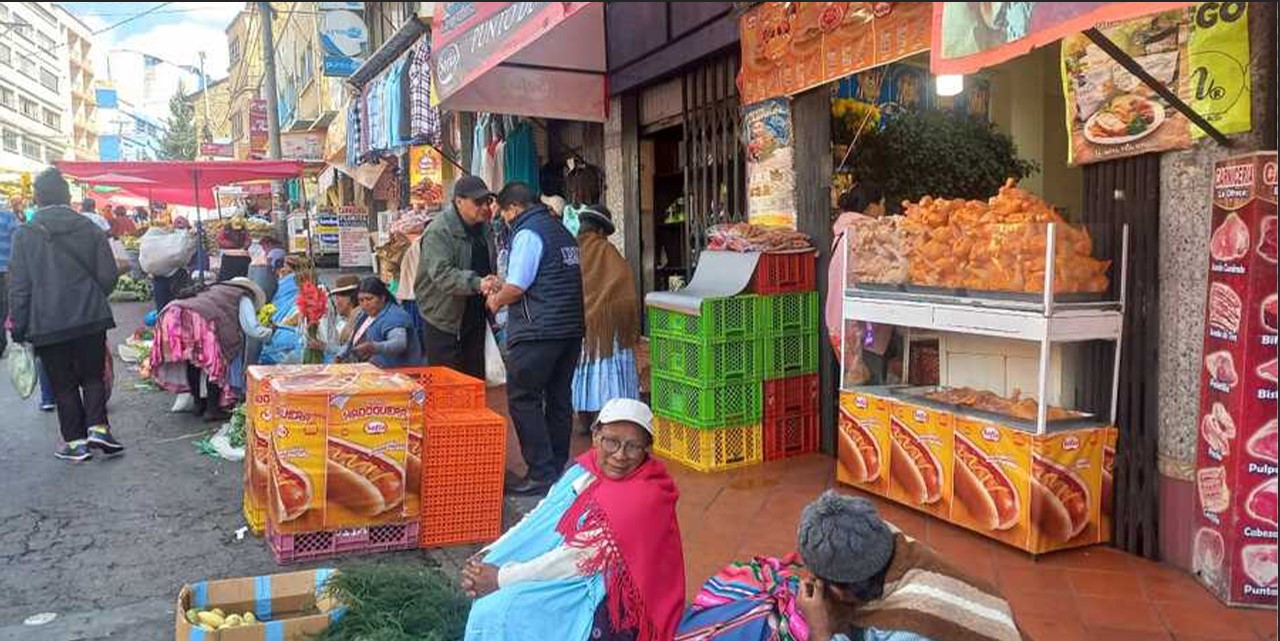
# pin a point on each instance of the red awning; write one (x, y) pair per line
(540, 59)
(179, 182)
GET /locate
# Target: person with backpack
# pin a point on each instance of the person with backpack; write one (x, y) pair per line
(60, 275)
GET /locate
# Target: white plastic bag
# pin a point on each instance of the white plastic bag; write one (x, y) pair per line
(495, 371)
(161, 252)
(22, 368)
(185, 403)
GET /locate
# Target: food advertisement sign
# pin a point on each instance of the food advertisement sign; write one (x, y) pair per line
(1234, 546)
(258, 127)
(771, 174)
(788, 47)
(353, 238)
(1110, 112)
(426, 177)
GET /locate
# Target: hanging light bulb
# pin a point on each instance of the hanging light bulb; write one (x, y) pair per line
(950, 85)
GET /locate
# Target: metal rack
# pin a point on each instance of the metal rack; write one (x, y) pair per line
(1046, 321)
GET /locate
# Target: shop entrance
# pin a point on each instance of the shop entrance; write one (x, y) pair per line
(664, 218)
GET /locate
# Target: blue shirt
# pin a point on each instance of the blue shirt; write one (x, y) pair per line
(8, 225)
(526, 254)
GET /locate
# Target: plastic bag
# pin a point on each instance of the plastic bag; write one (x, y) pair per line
(185, 403)
(22, 369)
(495, 370)
(161, 252)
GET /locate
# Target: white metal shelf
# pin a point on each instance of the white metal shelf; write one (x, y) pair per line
(1060, 325)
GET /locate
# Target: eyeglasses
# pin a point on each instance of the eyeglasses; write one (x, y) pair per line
(630, 449)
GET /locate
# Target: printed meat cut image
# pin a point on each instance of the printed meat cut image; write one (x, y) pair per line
(1267, 310)
(1267, 240)
(1231, 240)
(1217, 428)
(1207, 553)
(1211, 484)
(1222, 368)
(1267, 370)
(1259, 563)
(1263, 443)
(1261, 503)
(1224, 308)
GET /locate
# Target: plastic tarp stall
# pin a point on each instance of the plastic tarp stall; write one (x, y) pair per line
(179, 182)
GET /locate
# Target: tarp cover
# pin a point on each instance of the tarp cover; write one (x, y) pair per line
(720, 274)
(177, 181)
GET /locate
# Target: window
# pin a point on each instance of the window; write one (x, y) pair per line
(27, 67)
(29, 108)
(46, 43)
(51, 154)
(11, 141)
(233, 50)
(21, 27)
(307, 63)
(49, 79)
(31, 149)
(8, 98)
(4, 13)
(6, 54)
(53, 119)
(237, 126)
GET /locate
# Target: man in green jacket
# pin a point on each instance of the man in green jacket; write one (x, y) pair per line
(455, 273)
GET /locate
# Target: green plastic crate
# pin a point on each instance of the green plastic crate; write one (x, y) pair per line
(721, 319)
(788, 314)
(790, 355)
(715, 362)
(707, 406)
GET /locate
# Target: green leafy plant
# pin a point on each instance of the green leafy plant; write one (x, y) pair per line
(401, 602)
(937, 153)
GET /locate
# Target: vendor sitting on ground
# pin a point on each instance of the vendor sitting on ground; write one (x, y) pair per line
(599, 558)
(382, 330)
(201, 342)
(874, 583)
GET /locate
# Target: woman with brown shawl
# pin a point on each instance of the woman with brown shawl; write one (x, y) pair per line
(607, 369)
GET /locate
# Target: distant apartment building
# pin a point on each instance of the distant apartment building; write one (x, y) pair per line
(81, 123)
(125, 132)
(36, 117)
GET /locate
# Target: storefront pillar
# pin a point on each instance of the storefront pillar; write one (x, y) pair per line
(811, 122)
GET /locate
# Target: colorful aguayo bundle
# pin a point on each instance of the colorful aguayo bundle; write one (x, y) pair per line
(311, 305)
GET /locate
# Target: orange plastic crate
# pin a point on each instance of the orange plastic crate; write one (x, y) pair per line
(464, 459)
(447, 390)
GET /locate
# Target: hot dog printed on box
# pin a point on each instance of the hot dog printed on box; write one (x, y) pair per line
(862, 447)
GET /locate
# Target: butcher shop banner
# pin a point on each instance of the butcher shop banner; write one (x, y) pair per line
(1110, 112)
(1234, 546)
(771, 174)
(788, 47)
(968, 36)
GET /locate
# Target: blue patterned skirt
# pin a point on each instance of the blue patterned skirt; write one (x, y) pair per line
(600, 381)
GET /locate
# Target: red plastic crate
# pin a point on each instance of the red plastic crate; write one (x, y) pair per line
(791, 435)
(464, 460)
(790, 396)
(447, 390)
(309, 546)
(784, 273)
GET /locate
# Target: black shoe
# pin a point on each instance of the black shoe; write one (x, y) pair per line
(216, 416)
(76, 453)
(100, 438)
(529, 487)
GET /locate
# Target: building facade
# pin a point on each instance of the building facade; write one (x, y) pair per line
(212, 110)
(80, 125)
(125, 131)
(35, 103)
(244, 75)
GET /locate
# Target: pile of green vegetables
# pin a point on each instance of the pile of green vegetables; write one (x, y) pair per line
(130, 289)
(401, 602)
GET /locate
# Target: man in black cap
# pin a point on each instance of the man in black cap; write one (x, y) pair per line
(61, 273)
(455, 273)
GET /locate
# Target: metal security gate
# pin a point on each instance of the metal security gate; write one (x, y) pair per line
(711, 151)
(1117, 193)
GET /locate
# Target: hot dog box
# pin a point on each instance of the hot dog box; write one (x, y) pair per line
(920, 457)
(285, 607)
(863, 447)
(992, 481)
(1066, 489)
(339, 444)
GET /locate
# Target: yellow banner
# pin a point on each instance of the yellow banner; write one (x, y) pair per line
(1219, 57)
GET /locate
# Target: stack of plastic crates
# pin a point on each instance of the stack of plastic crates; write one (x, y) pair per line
(790, 390)
(707, 370)
(463, 459)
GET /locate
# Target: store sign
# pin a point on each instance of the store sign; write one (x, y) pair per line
(1110, 112)
(1234, 544)
(788, 47)
(771, 175)
(969, 36)
(326, 231)
(472, 37)
(302, 145)
(258, 127)
(353, 238)
(1219, 58)
(426, 177)
(343, 37)
(217, 149)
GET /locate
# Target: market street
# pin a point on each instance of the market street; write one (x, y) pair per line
(106, 545)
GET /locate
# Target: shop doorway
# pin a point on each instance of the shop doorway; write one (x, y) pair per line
(664, 217)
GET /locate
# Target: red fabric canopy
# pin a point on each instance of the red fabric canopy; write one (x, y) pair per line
(178, 181)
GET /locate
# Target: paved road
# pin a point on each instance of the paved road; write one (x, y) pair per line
(107, 544)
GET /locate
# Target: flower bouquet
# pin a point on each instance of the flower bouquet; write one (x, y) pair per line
(312, 302)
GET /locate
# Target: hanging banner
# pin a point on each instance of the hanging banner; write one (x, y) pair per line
(771, 176)
(426, 177)
(302, 145)
(1110, 112)
(788, 47)
(968, 36)
(343, 36)
(258, 128)
(217, 149)
(353, 238)
(1219, 58)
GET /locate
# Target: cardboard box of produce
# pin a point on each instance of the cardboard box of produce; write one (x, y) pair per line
(863, 447)
(339, 445)
(1066, 489)
(920, 459)
(991, 481)
(277, 607)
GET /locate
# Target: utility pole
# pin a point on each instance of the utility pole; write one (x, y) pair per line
(207, 134)
(273, 106)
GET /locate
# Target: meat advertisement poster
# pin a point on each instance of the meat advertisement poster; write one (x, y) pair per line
(1234, 546)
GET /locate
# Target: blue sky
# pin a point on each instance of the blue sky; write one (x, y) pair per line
(175, 33)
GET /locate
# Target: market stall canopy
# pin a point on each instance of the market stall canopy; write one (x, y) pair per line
(538, 59)
(969, 36)
(179, 182)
